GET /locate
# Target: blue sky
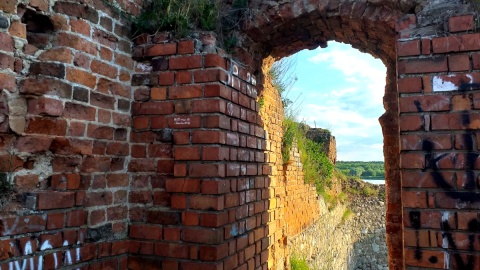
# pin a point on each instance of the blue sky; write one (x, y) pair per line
(341, 89)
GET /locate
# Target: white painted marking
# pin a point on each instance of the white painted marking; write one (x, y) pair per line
(439, 85)
(181, 121)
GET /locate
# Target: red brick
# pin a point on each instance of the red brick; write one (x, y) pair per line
(26, 182)
(213, 220)
(454, 121)
(100, 132)
(202, 235)
(55, 200)
(461, 103)
(81, 77)
(182, 185)
(76, 218)
(6, 41)
(158, 93)
(459, 62)
(7, 82)
(208, 136)
(207, 202)
(209, 105)
(412, 161)
(146, 232)
(206, 170)
(7, 61)
(158, 122)
(178, 201)
(118, 149)
(183, 137)
(186, 47)
(184, 77)
(212, 75)
(194, 121)
(425, 103)
(96, 164)
(117, 180)
(408, 48)
(411, 123)
(215, 60)
(141, 165)
(79, 112)
(179, 92)
(214, 253)
(104, 69)
(426, 46)
(215, 153)
(98, 198)
(155, 108)
(218, 90)
(166, 78)
(160, 150)
(186, 62)
(80, 26)
(45, 106)
(461, 23)
(163, 217)
(18, 29)
(8, 6)
(49, 126)
(427, 65)
(187, 153)
(161, 49)
(76, 42)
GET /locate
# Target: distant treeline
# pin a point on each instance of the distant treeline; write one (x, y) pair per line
(361, 169)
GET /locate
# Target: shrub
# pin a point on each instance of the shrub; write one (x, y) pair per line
(298, 263)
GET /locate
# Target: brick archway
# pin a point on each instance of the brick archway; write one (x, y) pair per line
(280, 30)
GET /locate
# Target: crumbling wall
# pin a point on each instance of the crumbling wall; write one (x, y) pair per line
(65, 72)
(87, 162)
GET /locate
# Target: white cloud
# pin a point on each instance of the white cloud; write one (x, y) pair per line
(350, 104)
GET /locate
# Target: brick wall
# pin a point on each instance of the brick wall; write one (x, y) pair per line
(158, 156)
(438, 86)
(202, 194)
(65, 72)
(293, 205)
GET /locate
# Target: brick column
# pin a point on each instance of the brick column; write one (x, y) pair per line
(208, 210)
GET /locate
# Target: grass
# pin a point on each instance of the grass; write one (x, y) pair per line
(298, 263)
(346, 214)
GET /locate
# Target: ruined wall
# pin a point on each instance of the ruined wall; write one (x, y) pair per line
(293, 204)
(345, 243)
(65, 72)
(180, 177)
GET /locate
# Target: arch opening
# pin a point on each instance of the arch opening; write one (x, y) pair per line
(283, 30)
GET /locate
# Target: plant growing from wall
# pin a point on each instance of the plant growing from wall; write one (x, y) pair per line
(297, 263)
(182, 16)
(317, 168)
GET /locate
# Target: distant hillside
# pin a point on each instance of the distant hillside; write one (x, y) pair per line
(362, 169)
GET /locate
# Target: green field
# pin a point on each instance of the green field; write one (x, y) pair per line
(361, 169)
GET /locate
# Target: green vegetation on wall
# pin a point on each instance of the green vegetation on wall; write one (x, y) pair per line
(182, 16)
(363, 170)
(298, 263)
(317, 168)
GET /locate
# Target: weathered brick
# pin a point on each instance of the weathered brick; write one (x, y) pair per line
(41, 86)
(55, 200)
(427, 65)
(461, 23)
(186, 62)
(161, 49)
(81, 77)
(50, 126)
(77, 10)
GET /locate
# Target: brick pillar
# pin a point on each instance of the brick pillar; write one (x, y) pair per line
(208, 209)
(439, 94)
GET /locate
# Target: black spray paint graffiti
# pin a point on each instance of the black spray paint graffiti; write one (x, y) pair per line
(432, 160)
